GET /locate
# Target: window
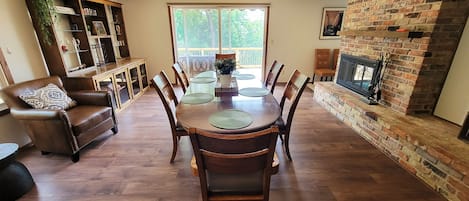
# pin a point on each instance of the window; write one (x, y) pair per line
(200, 31)
(5, 78)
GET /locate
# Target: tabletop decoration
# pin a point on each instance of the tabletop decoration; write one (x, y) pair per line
(225, 67)
(196, 98)
(230, 119)
(253, 91)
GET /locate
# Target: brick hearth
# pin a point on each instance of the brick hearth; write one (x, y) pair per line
(424, 145)
(402, 125)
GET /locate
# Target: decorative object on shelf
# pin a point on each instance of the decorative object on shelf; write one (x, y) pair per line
(118, 30)
(225, 67)
(331, 23)
(64, 10)
(45, 15)
(99, 28)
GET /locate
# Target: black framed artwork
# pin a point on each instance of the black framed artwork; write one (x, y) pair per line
(331, 23)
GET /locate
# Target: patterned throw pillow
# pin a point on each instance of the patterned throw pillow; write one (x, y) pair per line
(50, 97)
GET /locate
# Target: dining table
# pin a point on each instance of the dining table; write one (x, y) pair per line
(246, 108)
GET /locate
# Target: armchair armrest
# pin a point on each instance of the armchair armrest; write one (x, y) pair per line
(36, 114)
(91, 97)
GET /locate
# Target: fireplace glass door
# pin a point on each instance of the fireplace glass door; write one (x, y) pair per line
(357, 73)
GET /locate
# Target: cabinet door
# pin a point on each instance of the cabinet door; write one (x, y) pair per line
(107, 84)
(122, 87)
(143, 75)
(135, 80)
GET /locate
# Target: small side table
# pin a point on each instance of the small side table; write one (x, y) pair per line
(15, 179)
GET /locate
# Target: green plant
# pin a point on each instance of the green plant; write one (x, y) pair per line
(225, 66)
(44, 13)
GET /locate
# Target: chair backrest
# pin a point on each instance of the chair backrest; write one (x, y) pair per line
(292, 93)
(237, 165)
(225, 56)
(11, 93)
(166, 93)
(335, 57)
(322, 58)
(181, 76)
(272, 75)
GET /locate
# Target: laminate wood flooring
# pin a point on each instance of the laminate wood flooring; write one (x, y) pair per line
(330, 163)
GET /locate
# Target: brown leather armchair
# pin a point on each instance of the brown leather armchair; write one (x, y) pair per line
(62, 131)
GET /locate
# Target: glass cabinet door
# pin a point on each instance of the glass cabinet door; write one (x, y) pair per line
(122, 87)
(143, 74)
(106, 84)
(134, 80)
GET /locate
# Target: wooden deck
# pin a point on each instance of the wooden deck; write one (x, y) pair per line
(330, 163)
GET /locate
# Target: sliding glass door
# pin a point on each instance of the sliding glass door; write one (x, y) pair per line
(200, 32)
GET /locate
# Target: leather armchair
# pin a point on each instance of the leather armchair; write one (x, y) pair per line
(62, 131)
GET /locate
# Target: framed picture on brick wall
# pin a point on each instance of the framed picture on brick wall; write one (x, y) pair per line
(331, 23)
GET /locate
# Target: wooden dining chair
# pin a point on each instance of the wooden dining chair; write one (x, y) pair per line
(181, 76)
(225, 56)
(322, 67)
(335, 58)
(235, 166)
(166, 93)
(292, 93)
(272, 75)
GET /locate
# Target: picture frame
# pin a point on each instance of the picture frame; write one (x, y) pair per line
(99, 28)
(331, 23)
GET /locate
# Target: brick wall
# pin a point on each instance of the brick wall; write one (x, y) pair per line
(414, 78)
(424, 145)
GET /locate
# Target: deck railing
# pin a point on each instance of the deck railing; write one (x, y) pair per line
(246, 57)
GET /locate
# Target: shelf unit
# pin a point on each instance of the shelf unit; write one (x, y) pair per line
(84, 35)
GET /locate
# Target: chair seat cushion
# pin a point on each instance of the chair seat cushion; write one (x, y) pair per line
(324, 72)
(85, 117)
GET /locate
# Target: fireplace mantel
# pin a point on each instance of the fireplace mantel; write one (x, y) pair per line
(390, 34)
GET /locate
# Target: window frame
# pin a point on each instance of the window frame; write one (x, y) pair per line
(220, 6)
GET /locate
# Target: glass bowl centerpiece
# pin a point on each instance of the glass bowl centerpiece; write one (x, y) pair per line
(224, 68)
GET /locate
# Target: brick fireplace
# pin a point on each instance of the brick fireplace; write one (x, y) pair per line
(402, 125)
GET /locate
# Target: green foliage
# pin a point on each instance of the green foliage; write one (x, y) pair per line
(198, 28)
(225, 66)
(44, 12)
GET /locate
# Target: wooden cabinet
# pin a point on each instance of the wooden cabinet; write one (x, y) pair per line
(126, 80)
(85, 34)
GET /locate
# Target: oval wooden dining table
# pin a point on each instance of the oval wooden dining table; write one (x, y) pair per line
(264, 110)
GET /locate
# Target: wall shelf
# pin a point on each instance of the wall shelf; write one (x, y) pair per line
(390, 34)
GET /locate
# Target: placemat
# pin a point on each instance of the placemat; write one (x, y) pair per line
(196, 98)
(206, 74)
(230, 119)
(203, 79)
(245, 76)
(253, 91)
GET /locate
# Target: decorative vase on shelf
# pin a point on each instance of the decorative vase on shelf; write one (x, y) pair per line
(225, 67)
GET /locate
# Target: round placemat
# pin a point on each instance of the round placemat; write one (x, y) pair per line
(203, 79)
(230, 119)
(196, 98)
(253, 91)
(207, 74)
(245, 76)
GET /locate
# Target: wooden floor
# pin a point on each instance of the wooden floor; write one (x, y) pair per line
(330, 163)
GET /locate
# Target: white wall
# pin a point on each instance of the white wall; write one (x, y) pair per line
(293, 32)
(23, 55)
(453, 104)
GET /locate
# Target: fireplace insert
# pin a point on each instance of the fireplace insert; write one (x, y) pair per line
(359, 74)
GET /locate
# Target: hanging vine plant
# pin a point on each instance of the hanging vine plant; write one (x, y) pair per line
(44, 13)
